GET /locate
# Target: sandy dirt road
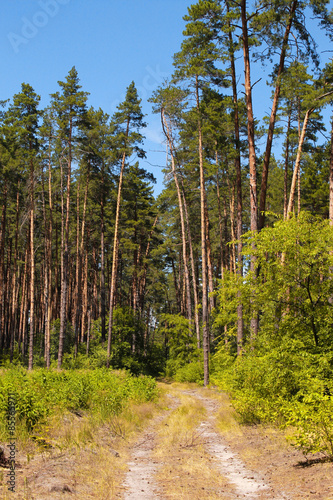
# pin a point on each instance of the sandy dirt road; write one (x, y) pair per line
(215, 457)
(143, 480)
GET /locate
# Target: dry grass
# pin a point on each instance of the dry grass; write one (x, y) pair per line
(77, 456)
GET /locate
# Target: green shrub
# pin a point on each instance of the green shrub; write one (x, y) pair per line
(286, 386)
(42, 392)
(313, 422)
(193, 372)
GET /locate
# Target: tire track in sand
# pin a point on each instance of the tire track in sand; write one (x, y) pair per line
(247, 483)
(140, 483)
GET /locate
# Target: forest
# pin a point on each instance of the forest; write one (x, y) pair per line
(226, 276)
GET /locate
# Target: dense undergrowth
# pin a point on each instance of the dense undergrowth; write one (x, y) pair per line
(41, 393)
(284, 375)
(284, 387)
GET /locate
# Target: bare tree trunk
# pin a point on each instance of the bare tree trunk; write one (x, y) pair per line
(77, 284)
(272, 120)
(240, 322)
(167, 132)
(297, 163)
(2, 264)
(142, 284)
(56, 304)
(65, 250)
(286, 165)
(331, 180)
(32, 266)
(85, 293)
(205, 327)
(102, 264)
(23, 303)
(209, 262)
(220, 217)
(194, 275)
(115, 253)
(88, 332)
(94, 307)
(252, 152)
(227, 258)
(79, 259)
(232, 227)
(46, 281)
(15, 284)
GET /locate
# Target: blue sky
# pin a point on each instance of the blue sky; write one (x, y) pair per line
(110, 43)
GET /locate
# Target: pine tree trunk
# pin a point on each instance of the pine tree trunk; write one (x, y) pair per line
(84, 215)
(143, 279)
(232, 228)
(252, 152)
(49, 263)
(299, 192)
(46, 281)
(8, 294)
(2, 264)
(205, 327)
(85, 292)
(56, 303)
(16, 283)
(240, 322)
(331, 179)
(286, 167)
(210, 271)
(102, 266)
(64, 250)
(115, 253)
(32, 267)
(220, 217)
(177, 286)
(94, 307)
(272, 120)
(77, 284)
(88, 332)
(167, 133)
(23, 303)
(297, 164)
(194, 274)
(227, 261)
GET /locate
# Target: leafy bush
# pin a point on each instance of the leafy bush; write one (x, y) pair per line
(283, 387)
(284, 375)
(314, 424)
(193, 372)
